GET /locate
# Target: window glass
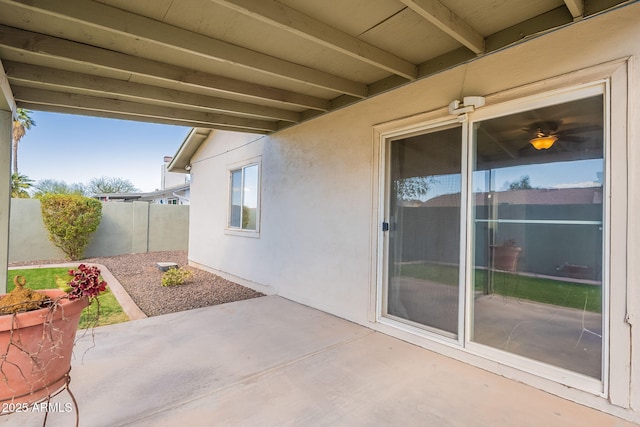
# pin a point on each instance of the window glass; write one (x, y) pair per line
(424, 235)
(236, 199)
(243, 212)
(250, 197)
(538, 234)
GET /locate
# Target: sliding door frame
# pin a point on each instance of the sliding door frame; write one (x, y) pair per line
(614, 384)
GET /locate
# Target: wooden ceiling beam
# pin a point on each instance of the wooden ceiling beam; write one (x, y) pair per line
(119, 116)
(295, 22)
(576, 7)
(164, 36)
(59, 80)
(7, 102)
(134, 109)
(29, 43)
(447, 21)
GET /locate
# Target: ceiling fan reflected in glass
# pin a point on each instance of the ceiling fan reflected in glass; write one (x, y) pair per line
(542, 141)
(544, 135)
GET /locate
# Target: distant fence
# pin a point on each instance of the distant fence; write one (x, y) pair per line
(125, 228)
(432, 234)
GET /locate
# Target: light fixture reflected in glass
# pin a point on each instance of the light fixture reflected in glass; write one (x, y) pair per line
(543, 142)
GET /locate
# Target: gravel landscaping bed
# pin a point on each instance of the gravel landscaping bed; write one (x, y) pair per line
(140, 277)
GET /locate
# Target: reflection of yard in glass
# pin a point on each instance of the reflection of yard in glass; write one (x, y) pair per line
(561, 293)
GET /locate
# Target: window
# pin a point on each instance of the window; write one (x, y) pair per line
(244, 200)
(498, 246)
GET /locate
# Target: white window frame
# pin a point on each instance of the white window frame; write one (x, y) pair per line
(616, 341)
(241, 166)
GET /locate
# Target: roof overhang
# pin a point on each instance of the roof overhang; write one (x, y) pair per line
(181, 160)
(244, 65)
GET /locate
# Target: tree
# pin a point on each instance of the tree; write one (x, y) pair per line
(70, 220)
(413, 188)
(21, 124)
(53, 186)
(19, 186)
(524, 183)
(110, 186)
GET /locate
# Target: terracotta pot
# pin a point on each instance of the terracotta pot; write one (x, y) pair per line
(506, 257)
(47, 335)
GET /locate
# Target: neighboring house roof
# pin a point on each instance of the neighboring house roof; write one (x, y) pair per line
(142, 197)
(125, 197)
(555, 196)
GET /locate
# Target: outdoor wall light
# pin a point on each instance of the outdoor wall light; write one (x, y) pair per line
(468, 104)
(543, 142)
(187, 168)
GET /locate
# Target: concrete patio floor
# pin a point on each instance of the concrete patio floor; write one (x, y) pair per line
(272, 362)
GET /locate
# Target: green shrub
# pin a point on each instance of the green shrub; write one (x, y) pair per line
(176, 276)
(70, 220)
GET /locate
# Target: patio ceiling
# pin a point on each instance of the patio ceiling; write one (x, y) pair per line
(249, 65)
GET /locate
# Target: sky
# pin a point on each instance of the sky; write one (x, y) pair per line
(74, 149)
(570, 174)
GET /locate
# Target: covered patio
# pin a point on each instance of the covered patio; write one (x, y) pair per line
(285, 68)
(272, 362)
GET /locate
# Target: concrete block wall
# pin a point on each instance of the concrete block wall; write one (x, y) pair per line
(125, 228)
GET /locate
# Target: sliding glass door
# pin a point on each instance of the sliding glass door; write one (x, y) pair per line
(538, 234)
(424, 239)
(496, 232)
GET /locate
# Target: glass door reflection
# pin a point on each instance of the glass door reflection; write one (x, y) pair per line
(538, 235)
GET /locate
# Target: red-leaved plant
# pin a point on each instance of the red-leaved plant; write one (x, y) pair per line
(86, 282)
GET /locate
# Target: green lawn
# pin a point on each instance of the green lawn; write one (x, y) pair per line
(548, 291)
(44, 278)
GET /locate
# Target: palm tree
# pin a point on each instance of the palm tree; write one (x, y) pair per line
(21, 124)
(19, 185)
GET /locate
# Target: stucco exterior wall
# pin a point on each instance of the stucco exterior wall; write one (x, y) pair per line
(318, 243)
(209, 243)
(125, 228)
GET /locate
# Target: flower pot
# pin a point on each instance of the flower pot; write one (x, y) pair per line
(36, 347)
(506, 257)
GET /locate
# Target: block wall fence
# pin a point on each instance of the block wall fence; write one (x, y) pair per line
(125, 228)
